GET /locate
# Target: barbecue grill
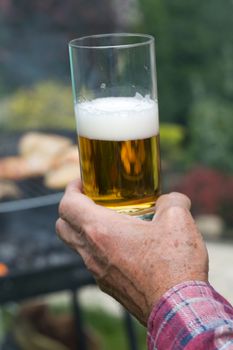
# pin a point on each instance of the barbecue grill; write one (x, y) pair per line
(37, 261)
(33, 192)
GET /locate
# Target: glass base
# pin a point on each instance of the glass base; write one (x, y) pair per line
(141, 209)
(141, 213)
(146, 217)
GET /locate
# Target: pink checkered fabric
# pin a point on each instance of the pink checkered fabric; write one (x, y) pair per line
(191, 316)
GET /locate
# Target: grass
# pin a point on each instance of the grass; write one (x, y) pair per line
(112, 331)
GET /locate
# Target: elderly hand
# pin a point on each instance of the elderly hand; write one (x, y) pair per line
(135, 261)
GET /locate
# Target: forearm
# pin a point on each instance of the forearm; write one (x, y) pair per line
(191, 316)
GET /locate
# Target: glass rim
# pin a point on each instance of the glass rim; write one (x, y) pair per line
(76, 43)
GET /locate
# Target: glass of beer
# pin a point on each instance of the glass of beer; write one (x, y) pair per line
(116, 110)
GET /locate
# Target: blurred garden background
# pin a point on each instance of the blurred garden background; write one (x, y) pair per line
(194, 54)
(195, 80)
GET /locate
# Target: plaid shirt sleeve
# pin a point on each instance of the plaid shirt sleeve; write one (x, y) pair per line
(191, 316)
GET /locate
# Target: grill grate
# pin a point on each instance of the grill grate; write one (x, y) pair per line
(34, 194)
(28, 241)
(34, 187)
(27, 225)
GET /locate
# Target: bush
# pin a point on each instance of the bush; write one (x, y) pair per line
(45, 105)
(171, 137)
(211, 133)
(210, 191)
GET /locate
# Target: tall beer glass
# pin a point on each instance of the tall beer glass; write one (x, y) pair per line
(116, 109)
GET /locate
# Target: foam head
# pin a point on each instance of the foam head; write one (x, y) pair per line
(117, 118)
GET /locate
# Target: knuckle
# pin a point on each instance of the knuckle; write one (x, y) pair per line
(95, 233)
(172, 200)
(180, 198)
(176, 211)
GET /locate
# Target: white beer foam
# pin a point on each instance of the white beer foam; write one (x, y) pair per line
(117, 118)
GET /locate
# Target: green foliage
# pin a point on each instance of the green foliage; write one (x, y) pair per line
(112, 330)
(109, 329)
(195, 75)
(171, 135)
(45, 105)
(171, 140)
(193, 49)
(211, 131)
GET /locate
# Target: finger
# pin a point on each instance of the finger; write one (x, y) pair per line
(173, 199)
(75, 207)
(82, 213)
(75, 186)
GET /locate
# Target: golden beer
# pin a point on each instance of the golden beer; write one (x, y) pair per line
(120, 156)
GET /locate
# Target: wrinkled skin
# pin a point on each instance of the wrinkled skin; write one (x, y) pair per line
(135, 261)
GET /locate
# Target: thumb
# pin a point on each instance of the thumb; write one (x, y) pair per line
(173, 199)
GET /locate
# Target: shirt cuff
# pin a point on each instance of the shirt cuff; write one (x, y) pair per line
(184, 312)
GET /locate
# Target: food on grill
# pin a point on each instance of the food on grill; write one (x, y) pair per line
(8, 189)
(42, 145)
(12, 168)
(48, 155)
(16, 168)
(59, 177)
(69, 156)
(65, 169)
